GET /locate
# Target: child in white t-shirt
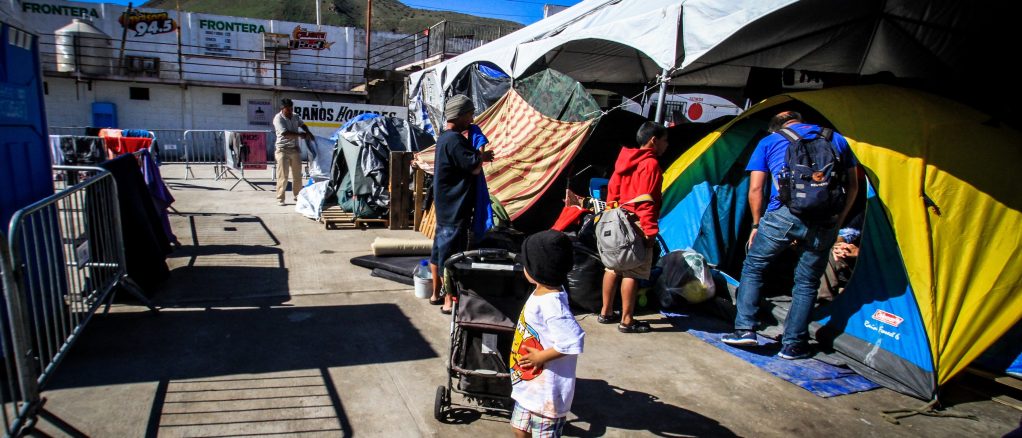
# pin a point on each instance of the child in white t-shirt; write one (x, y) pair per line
(547, 340)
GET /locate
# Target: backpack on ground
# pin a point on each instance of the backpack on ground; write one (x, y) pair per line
(622, 246)
(812, 182)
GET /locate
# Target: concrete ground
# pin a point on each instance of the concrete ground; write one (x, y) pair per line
(267, 329)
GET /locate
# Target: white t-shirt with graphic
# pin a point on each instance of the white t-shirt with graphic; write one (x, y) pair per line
(546, 321)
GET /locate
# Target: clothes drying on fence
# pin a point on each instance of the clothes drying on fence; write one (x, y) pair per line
(146, 244)
(117, 146)
(256, 142)
(235, 150)
(56, 154)
(110, 132)
(141, 133)
(78, 150)
(161, 195)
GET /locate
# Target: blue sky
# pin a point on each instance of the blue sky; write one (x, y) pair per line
(522, 11)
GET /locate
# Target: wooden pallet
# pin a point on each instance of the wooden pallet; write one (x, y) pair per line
(335, 218)
(1011, 387)
(428, 224)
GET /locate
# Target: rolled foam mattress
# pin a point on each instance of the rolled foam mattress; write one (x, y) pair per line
(384, 246)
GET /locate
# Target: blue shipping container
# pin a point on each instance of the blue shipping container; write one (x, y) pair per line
(25, 175)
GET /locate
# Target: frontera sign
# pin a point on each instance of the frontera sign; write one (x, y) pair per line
(229, 26)
(69, 11)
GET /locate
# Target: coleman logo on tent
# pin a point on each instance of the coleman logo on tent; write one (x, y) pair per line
(887, 318)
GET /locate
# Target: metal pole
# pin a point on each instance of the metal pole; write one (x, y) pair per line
(124, 38)
(180, 62)
(662, 97)
(369, 28)
(318, 18)
(369, 37)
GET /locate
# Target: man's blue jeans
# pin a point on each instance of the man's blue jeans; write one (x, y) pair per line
(777, 229)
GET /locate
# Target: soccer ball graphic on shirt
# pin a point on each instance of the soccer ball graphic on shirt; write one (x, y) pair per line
(525, 337)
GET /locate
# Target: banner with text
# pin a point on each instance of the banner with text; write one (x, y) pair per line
(324, 118)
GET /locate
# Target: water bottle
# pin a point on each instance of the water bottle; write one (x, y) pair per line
(423, 279)
(783, 180)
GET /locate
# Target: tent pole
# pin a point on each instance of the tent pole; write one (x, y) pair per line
(661, 97)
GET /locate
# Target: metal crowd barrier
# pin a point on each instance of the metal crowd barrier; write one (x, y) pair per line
(63, 259)
(204, 147)
(18, 401)
(198, 146)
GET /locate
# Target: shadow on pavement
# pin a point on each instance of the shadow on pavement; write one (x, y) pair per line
(231, 260)
(124, 348)
(600, 406)
(241, 371)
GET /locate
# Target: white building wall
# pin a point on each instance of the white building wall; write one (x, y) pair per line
(168, 107)
(214, 48)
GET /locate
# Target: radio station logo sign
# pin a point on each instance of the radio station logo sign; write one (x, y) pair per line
(70, 11)
(147, 23)
(302, 38)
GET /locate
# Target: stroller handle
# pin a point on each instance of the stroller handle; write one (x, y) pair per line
(494, 253)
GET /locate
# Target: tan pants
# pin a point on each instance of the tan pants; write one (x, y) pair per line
(288, 158)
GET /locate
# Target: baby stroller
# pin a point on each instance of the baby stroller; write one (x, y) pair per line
(489, 291)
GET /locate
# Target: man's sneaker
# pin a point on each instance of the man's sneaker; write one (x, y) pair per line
(740, 338)
(795, 351)
(281, 203)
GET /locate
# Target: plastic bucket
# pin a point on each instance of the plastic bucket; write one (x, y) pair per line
(423, 287)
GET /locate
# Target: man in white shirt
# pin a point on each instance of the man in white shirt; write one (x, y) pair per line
(287, 125)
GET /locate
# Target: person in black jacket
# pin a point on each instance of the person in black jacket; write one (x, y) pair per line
(456, 165)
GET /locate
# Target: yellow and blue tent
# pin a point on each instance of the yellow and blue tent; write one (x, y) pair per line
(938, 277)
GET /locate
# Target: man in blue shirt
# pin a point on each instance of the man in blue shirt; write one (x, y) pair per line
(774, 232)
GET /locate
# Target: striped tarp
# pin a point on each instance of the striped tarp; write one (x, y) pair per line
(530, 151)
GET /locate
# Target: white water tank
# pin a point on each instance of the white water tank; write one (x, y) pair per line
(81, 47)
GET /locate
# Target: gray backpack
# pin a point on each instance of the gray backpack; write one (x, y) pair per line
(622, 245)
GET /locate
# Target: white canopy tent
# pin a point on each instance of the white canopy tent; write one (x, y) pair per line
(717, 42)
(615, 41)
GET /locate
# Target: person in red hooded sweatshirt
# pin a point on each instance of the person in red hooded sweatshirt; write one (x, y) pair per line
(636, 173)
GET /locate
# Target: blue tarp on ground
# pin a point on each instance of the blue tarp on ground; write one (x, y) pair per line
(817, 377)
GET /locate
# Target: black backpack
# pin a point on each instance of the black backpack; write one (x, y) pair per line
(812, 182)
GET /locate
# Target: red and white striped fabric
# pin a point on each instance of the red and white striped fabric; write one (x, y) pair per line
(530, 151)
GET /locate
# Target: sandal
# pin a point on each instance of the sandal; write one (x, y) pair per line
(635, 327)
(608, 319)
(438, 301)
(445, 311)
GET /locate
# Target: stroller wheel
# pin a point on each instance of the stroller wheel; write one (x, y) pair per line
(440, 403)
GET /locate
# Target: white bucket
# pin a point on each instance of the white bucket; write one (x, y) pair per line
(423, 287)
